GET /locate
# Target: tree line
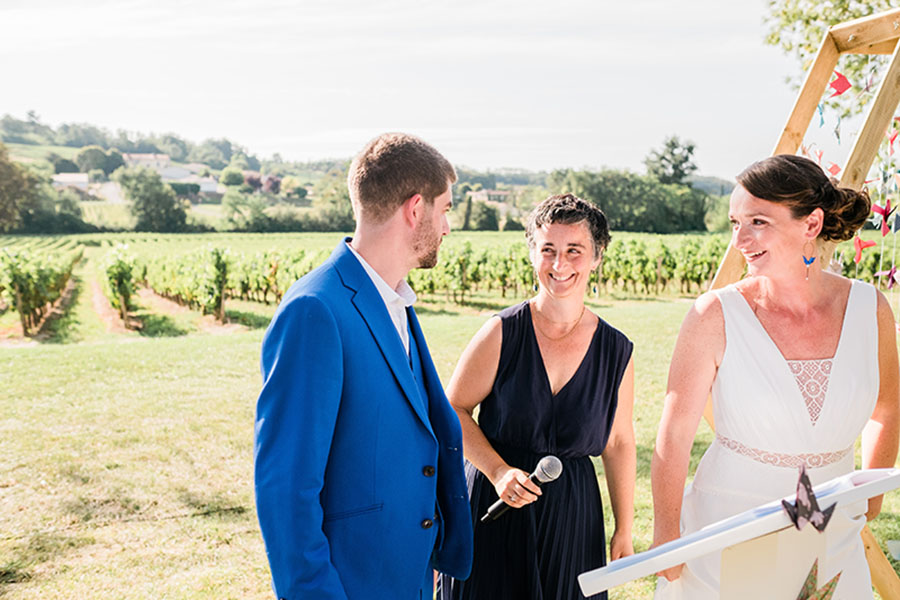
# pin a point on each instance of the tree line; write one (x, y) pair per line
(662, 201)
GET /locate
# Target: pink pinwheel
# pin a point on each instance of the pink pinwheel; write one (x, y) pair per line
(859, 244)
(840, 85)
(885, 212)
(891, 275)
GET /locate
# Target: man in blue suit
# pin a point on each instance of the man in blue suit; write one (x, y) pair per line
(360, 489)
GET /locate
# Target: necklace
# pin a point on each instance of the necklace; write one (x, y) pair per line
(570, 330)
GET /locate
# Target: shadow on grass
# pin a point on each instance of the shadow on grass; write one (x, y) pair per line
(424, 309)
(629, 297)
(40, 548)
(156, 325)
(13, 571)
(87, 509)
(61, 323)
(438, 305)
(210, 506)
(247, 319)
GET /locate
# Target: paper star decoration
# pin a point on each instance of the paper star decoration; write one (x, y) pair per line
(809, 591)
(859, 244)
(890, 273)
(806, 508)
(870, 82)
(839, 85)
(885, 212)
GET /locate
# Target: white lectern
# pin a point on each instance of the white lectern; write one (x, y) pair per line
(754, 544)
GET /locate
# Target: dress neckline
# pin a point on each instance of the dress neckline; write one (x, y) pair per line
(786, 370)
(762, 329)
(545, 377)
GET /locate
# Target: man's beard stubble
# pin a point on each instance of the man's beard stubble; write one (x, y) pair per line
(426, 246)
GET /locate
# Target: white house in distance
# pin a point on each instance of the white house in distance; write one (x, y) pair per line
(77, 180)
(207, 184)
(170, 173)
(490, 195)
(157, 162)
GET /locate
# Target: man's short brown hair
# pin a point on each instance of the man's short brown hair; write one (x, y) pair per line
(391, 169)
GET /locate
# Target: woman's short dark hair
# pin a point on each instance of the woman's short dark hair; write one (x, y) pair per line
(567, 209)
(803, 186)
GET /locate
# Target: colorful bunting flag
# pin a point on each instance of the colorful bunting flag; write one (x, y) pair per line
(839, 85)
(859, 245)
(891, 274)
(885, 212)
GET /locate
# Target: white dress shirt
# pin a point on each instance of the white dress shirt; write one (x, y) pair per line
(396, 300)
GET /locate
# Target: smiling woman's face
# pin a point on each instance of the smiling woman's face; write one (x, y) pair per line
(766, 233)
(563, 257)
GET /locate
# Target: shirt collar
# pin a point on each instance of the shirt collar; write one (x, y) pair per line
(403, 294)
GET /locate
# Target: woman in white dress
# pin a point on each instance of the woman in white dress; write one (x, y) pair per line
(799, 362)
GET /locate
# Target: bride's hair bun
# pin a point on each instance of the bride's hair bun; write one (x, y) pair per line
(802, 185)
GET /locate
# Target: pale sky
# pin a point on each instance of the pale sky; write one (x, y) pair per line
(492, 84)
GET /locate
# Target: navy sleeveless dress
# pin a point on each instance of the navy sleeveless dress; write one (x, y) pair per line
(537, 552)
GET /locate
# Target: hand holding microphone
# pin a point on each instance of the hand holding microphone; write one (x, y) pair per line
(548, 469)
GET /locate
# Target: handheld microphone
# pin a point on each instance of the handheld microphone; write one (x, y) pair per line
(547, 470)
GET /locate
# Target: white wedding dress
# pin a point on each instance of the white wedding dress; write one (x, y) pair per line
(771, 415)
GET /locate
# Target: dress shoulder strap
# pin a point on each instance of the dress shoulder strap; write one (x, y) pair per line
(733, 303)
(515, 325)
(861, 318)
(862, 305)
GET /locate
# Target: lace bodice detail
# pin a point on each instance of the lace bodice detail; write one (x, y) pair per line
(812, 378)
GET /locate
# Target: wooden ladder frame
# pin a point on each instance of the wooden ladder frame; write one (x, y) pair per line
(876, 34)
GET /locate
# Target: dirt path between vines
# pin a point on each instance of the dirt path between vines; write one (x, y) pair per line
(206, 323)
(12, 336)
(105, 310)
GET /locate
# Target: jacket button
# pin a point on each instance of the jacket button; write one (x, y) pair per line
(427, 523)
(428, 471)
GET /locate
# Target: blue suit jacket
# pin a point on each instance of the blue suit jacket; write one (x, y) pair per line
(348, 465)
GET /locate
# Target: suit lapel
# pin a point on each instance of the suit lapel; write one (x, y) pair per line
(371, 307)
(428, 371)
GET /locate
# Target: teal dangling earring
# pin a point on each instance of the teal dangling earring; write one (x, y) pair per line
(811, 259)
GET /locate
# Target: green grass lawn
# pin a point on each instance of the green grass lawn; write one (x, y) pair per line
(39, 152)
(128, 463)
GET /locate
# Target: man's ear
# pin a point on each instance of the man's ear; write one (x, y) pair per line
(413, 209)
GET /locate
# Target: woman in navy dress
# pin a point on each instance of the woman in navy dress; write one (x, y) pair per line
(550, 377)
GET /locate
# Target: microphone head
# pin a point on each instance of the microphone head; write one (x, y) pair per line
(548, 469)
